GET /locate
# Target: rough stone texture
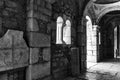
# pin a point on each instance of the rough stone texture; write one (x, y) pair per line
(20, 57)
(14, 51)
(38, 10)
(6, 41)
(38, 71)
(46, 54)
(34, 55)
(38, 39)
(18, 41)
(5, 58)
(33, 25)
(13, 14)
(38, 16)
(39, 13)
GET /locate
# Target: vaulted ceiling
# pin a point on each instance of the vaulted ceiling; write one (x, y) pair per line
(110, 19)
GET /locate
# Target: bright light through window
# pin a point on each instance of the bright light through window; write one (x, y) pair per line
(63, 33)
(67, 32)
(59, 30)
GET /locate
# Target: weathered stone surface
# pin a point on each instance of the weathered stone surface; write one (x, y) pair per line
(40, 3)
(3, 77)
(11, 3)
(38, 39)
(38, 71)
(14, 51)
(6, 41)
(10, 23)
(46, 54)
(13, 13)
(30, 14)
(45, 11)
(48, 78)
(13, 37)
(5, 58)
(48, 5)
(41, 16)
(34, 55)
(32, 25)
(18, 41)
(21, 57)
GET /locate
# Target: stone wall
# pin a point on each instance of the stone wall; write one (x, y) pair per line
(14, 52)
(38, 38)
(61, 54)
(81, 35)
(28, 34)
(13, 13)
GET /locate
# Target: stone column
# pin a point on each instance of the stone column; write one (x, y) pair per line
(38, 18)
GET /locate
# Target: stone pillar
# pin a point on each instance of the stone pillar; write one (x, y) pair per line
(92, 56)
(38, 36)
(82, 46)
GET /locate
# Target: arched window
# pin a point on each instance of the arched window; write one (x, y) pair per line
(59, 30)
(67, 32)
(63, 33)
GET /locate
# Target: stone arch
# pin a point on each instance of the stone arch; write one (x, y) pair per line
(96, 11)
(107, 10)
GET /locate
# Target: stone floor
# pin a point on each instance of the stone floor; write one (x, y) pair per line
(108, 70)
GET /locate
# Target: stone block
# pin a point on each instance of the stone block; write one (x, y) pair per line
(6, 58)
(45, 11)
(10, 23)
(34, 55)
(47, 78)
(29, 15)
(44, 17)
(32, 25)
(38, 39)
(46, 54)
(18, 41)
(48, 5)
(3, 77)
(13, 38)
(6, 41)
(11, 3)
(20, 57)
(41, 3)
(30, 5)
(41, 16)
(38, 71)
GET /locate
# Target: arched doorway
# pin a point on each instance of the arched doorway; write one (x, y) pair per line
(102, 39)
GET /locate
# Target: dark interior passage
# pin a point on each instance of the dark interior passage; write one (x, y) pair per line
(109, 29)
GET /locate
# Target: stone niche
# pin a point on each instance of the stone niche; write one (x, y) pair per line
(13, 51)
